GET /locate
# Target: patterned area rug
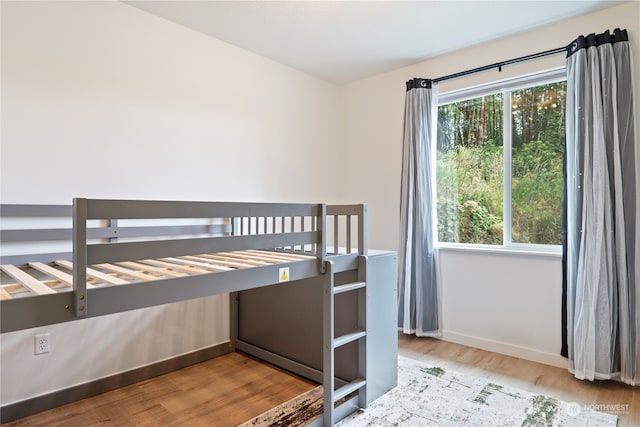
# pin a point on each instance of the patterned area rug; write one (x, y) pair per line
(433, 396)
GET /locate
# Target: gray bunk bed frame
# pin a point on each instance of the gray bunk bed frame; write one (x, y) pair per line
(301, 229)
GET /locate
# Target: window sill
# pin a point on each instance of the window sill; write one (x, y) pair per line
(551, 251)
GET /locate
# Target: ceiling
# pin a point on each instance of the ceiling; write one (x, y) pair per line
(343, 41)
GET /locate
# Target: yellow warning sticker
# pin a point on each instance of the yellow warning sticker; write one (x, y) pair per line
(283, 274)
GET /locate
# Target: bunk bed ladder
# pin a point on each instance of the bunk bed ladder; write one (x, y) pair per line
(331, 343)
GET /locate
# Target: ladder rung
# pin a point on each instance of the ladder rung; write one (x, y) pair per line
(346, 339)
(348, 287)
(349, 388)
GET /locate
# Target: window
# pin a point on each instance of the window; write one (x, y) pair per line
(499, 162)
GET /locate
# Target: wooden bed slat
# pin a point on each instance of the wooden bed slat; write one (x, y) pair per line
(11, 287)
(217, 261)
(55, 274)
(178, 267)
(4, 294)
(27, 280)
(52, 272)
(95, 274)
(210, 267)
(128, 272)
(232, 256)
(143, 267)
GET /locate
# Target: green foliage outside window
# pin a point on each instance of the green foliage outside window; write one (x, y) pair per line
(469, 167)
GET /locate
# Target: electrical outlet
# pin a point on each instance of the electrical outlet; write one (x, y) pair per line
(42, 343)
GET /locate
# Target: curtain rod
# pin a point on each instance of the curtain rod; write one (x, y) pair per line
(426, 83)
(501, 64)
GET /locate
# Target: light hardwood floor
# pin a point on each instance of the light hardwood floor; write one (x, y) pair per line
(233, 388)
(225, 391)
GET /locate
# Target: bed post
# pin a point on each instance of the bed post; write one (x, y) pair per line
(234, 298)
(80, 256)
(322, 250)
(362, 230)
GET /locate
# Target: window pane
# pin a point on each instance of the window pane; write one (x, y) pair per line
(469, 171)
(537, 151)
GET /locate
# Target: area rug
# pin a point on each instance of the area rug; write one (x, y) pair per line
(434, 396)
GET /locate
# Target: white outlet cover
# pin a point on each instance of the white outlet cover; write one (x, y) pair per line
(42, 344)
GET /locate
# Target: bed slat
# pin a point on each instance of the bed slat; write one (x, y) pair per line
(178, 267)
(230, 256)
(55, 274)
(143, 267)
(94, 274)
(4, 294)
(206, 266)
(52, 272)
(226, 263)
(28, 281)
(128, 272)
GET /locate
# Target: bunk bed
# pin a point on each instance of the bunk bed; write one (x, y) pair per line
(131, 254)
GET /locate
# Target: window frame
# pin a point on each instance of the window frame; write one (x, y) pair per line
(505, 87)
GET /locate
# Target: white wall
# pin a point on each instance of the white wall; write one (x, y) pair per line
(502, 302)
(100, 99)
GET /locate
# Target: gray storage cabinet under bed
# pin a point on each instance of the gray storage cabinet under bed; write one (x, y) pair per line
(283, 325)
(327, 313)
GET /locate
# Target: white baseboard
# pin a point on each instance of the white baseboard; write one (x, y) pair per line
(506, 348)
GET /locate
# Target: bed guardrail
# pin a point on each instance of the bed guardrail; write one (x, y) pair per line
(62, 232)
(104, 231)
(344, 216)
(256, 235)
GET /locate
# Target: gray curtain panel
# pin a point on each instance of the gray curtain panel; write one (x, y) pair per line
(418, 310)
(602, 307)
